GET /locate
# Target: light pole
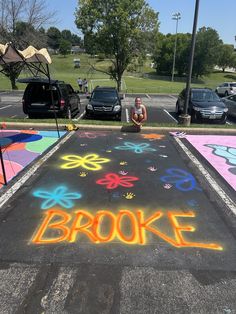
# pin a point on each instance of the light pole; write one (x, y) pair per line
(185, 119)
(177, 17)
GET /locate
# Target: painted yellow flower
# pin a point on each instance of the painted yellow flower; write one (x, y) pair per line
(89, 162)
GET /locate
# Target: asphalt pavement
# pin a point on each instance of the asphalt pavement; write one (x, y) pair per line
(122, 222)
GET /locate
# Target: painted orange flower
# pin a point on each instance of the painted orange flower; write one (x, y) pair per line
(153, 136)
(112, 181)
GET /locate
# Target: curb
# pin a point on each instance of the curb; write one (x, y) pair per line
(122, 128)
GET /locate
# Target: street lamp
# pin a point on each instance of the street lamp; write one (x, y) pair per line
(177, 17)
(185, 119)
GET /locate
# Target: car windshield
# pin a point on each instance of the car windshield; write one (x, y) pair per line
(104, 95)
(232, 84)
(202, 96)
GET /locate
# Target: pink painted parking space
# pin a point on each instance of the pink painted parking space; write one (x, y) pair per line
(220, 152)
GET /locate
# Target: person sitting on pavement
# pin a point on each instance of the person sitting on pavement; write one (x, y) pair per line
(138, 113)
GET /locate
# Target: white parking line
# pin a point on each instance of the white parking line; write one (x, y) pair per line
(172, 97)
(148, 96)
(215, 186)
(5, 107)
(127, 114)
(80, 117)
(170, 115)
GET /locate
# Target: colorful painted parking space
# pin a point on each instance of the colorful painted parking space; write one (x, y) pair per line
(220, 152)
(117, 198)
(21, 147)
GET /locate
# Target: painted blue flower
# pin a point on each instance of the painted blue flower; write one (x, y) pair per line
(59, 196)
(182, 180)
(137, 148)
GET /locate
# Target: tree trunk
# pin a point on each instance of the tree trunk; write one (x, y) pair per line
(13, 83)
(118, 83)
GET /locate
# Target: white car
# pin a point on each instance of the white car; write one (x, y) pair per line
(226, 89)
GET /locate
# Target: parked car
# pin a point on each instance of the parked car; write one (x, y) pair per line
(104, 101)
(230, 103)
(37, 98)
(203, 104)
(225, 89)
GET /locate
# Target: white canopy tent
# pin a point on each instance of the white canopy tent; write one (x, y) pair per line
(36, 61)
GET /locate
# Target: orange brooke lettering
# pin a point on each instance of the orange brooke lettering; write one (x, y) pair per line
(91, 226)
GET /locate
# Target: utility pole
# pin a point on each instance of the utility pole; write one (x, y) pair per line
(185, 118)
(177, 17)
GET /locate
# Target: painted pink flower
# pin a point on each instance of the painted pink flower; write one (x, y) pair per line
(112, 181)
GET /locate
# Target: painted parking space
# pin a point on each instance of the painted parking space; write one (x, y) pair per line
(220, 152)
(21, 147)
(117, 198)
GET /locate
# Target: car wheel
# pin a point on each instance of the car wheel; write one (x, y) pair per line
(68, 113)
(118, 118)
(223, 121)
(31, 116)
(226, 94)
(193, 116)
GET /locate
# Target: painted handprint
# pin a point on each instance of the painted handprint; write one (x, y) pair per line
(129, 195)
(83, 174)
(123, 173)
(167, 186)
(152, 168)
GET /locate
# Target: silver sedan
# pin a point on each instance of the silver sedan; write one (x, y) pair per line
(230, 103)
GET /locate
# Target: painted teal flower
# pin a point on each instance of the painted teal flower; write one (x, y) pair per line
(137, 148)
(59, 196)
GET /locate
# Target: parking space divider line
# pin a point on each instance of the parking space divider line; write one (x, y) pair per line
(127, 115)
(5, 107)
(169, 115)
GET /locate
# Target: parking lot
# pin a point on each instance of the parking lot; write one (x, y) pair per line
(161, 108)
(111, 215)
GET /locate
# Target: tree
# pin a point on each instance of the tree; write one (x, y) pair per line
(12, 71)
(66, 34)
(76, 40)
(116, 28)
(21, 23)
(207, 50)
(163, 56)
(64, 47)
(53, 37)
(31, 12)
(27, 35)
(226, 56)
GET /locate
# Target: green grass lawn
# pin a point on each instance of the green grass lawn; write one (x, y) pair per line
(62, 68)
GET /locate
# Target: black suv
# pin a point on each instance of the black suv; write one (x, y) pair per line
(37, 100)
(104, 101)
(204, 104)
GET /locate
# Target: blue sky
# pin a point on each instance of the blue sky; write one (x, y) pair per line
(215, 14)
